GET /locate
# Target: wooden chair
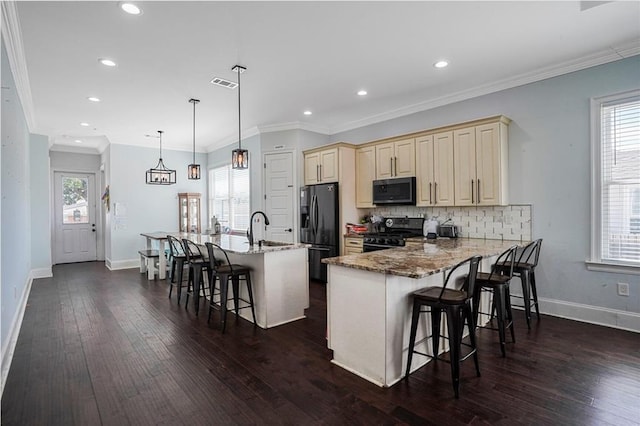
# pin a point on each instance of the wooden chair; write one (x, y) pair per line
(178, 260)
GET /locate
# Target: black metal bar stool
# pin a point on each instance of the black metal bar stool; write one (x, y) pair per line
(524, 268)
(178, 260)
(198, 267)
(456, 303)
(225, 271)
(496, 282)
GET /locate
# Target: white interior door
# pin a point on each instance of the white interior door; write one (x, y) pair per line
(75, 217)
(279, 196)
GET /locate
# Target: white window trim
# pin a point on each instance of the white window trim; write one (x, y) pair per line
(595, 263)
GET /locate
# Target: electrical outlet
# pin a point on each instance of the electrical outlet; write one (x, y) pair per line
(623, 289)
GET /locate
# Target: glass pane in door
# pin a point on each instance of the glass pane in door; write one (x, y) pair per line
(75, 200)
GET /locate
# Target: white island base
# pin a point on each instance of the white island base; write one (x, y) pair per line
(280, 286)
(369, 322)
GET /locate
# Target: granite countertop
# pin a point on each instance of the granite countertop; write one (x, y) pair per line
(238, 244)
(415, 261)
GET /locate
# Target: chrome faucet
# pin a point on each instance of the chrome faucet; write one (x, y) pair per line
(250, 234)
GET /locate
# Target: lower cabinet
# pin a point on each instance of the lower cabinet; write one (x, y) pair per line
(353, 245)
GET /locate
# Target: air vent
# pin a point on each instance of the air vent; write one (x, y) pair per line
(224, 83)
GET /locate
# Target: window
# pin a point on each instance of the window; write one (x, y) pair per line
(74, 195)
(229, 197)
(615, 238)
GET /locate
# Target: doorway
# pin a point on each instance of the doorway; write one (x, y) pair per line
(74, 217)
(279, 195)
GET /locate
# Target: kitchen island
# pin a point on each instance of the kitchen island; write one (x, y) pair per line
(279, 274)
(369, 302)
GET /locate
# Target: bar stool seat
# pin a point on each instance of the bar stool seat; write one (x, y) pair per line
(198, 269)
(524, 268)
(497, 282)
(225, 271)
(456, 303)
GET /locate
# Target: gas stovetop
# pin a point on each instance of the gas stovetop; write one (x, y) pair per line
(393, 232)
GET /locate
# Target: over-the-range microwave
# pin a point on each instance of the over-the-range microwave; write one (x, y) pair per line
(400, 191)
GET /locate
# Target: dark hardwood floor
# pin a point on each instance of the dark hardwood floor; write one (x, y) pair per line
(100, 347)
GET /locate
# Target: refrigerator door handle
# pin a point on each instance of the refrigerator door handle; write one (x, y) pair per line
(315, 215)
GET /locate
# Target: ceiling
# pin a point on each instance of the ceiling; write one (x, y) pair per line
(299, 56)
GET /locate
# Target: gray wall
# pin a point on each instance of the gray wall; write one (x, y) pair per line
(549, 154)
(40, 205)
(148, 208)
(15, 209)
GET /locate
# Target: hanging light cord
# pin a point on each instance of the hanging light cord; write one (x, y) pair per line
(194, 130)
(160, 132)
(239, 135)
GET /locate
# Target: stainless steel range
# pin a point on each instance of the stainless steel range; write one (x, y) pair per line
(393, 233)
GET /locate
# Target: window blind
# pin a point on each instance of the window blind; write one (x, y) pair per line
(620, 185)
(229, 196)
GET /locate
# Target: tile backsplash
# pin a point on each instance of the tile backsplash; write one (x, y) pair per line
(494, 223)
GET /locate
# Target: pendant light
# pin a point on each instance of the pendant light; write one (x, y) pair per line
(239, 157)
(160, 175)
(193, 170)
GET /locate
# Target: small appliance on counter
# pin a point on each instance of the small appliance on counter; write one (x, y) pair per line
(430, 228)
(448, 230)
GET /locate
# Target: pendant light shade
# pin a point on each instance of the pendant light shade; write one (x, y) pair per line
(239, 156)
(161, 175)
(193, 170)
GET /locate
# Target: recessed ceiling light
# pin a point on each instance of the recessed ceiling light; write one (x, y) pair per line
(78, 141)
(107, 62)
(307, 113)
(441, 64)
(130, 8)
(84, 124)
(93, 99)
(362, 92)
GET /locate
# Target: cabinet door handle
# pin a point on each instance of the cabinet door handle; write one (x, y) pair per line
(472, 202)
(317, 173)
(391, 165)
(478, 192)
(430, 200)
(435, 193)
(395, 165)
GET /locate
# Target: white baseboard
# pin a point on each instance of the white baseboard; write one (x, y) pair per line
(42, 273)
(9, 345)
(114, 265)
(623, 320)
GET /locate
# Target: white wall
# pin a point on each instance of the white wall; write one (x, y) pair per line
(548, 168)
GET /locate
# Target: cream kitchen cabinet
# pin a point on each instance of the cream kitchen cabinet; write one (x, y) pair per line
(321, 166)
(395, 159)
(434, 170)
(481, 164)
(365, 175)
(353, 245)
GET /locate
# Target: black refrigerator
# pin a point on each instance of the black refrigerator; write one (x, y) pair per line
(319, 225)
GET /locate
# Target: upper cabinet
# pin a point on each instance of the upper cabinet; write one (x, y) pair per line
(321, 166)
(481, 164)
(365, 175)
(395, 159)
(434, 170)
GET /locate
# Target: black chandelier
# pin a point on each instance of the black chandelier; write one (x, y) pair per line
(193, 170)
(160, 175)
(239, 156)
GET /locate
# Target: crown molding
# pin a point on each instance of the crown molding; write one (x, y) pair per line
(611, 54)
(295, 125)
(12, 36)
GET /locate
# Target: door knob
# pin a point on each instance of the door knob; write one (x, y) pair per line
(288, 230)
